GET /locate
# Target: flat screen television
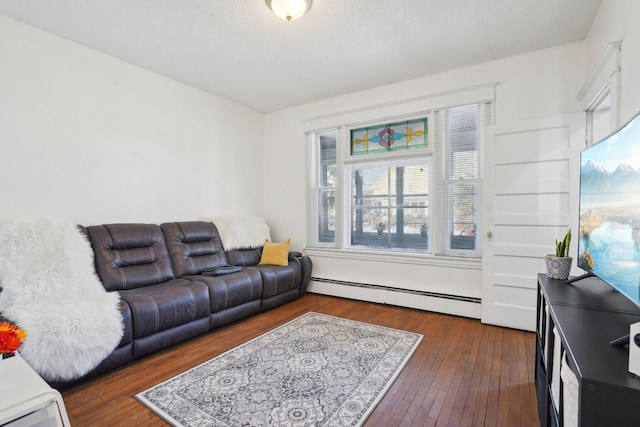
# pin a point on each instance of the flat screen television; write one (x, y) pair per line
(609, 239)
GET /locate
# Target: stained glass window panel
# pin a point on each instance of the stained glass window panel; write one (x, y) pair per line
(389, 137)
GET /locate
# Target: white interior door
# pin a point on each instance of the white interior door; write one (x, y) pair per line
(531, 199)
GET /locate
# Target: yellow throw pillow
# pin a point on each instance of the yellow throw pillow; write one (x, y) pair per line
(275, 253)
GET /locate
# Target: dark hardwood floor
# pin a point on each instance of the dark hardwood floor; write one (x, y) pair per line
(462, 374)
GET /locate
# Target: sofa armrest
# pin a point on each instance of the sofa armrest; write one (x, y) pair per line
(294, 254)
(306, 266)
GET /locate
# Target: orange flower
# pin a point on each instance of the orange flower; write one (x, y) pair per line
(11, 337)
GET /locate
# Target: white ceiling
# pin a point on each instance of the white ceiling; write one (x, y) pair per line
(239, 50)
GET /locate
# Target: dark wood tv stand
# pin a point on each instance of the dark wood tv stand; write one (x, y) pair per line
(586, 316)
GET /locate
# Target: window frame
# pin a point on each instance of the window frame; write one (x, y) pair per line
(385, 111)
(436, 153)
(448, 179)
(404, 161)
(317, 188)
(601, 114)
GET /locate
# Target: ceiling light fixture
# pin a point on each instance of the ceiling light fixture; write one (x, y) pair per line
(289, 10)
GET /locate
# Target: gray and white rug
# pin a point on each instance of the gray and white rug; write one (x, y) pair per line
(316, 370)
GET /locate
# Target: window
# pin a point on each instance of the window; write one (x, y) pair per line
(389, 204)
(599, 117)
(601, 94)
(462, 179)
(416, 196)
(324, 188)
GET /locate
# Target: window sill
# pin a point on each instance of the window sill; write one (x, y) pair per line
(399, 258)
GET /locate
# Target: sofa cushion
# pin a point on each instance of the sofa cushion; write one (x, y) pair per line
(145, 345)
(275, 253)
(244, 257)
(193, 247)
(279, 279)
(233, 289)
(166, 305)
(129, 256)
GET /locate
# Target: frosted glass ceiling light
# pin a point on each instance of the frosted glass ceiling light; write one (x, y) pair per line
(289, 9)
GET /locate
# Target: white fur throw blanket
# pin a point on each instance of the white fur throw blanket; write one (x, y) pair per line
(50, 289)
(242, 232)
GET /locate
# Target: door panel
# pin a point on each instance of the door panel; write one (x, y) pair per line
(531, 199)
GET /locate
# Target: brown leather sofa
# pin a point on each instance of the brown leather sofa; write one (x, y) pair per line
(167, 296)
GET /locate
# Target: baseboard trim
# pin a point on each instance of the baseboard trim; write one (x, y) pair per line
(396, 289)
(410, 298)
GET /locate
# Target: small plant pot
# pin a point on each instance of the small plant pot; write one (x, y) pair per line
(558, 267)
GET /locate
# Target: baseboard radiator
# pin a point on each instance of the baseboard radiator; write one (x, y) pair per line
(396, 289)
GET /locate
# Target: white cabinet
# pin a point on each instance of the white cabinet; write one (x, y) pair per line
(26, 399)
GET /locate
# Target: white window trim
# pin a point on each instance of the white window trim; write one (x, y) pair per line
(313, 156)
(397, 258)
(381, 157)
(604, 79)
(593, 107)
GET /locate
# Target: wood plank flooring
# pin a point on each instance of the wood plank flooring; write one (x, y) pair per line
(462, 374)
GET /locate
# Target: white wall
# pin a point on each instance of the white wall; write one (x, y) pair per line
(89, 137)
(618, 20)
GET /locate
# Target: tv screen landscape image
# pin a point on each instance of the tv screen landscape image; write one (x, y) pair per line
(609, 239)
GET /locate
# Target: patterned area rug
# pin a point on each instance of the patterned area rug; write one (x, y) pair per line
(316, 370)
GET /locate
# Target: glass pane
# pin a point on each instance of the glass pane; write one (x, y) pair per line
(463, 198)
(369, 227)
(601, 118)
(389, 137)
(370, 200)
(463, 141)
(411, 227)
(464, 165)
(390, 207)
(328, 175)
(326, 216)
(327, 161)
(371, 186)
(325, 191)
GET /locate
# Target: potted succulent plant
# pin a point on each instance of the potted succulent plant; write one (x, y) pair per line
(559, 264)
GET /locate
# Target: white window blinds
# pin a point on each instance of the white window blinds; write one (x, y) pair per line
(324, 189)
(459, 131)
